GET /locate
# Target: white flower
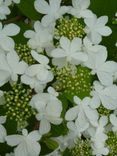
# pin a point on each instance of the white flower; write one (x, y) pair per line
(38, 75)
(69, 52)
(27, 144)
(4, 10)
(113, 120)
(10, 67)
(2, 129)
(96, 28)
(7, 43)
(107, 96)
(52, 11)
(33, 82)
(99, 138)
(39, 39)
(49, 109)
(104, 69)
(79, 9)
(66, 141)
(83, 114)
(91, 48)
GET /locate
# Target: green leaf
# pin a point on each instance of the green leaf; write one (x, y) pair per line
(51, 144)
(57, 130)
(19, 38)
(104, 7)
(27, 8)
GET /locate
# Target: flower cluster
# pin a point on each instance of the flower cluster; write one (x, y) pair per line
(60, 86)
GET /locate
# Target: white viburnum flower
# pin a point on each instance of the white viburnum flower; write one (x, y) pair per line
(95, 28)
(38, 74)
(80, 9)
(11, 67)
(82, 113)
(99, 137)
(66, 141)
(113, 120)
(107, 96)
(104, 70)
(49, 109)
(27, 144)
(3, 132)
(52, 11)
(4, 9)
(69, 52)
(91, 48)
(6, 43)
(40, 38)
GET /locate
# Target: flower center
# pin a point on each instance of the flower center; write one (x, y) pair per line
(17, 103)
(73, 81)
(69, 28)
(24, 52)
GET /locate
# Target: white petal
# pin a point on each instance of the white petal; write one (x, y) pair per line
(72, 113)
(104, 31)
(105, 78)
(44, 126)
(21, 150)
(100, 59)
(47, 20)
(101, 21)
(58, 53)
(108, 102)
(65, 43)
(76, 45)
(42, 6)
(11, 30)
(95, 37)
(14, 140)
(109, 66)
(113, 119)
(3, 134)
(5, 76)
(34, 135)
(40, 58)
(7, 43)
(33, 148)
(29, 34)
(54, 108)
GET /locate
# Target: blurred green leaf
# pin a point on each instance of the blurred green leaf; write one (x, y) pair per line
(27, 8)
(51, 144)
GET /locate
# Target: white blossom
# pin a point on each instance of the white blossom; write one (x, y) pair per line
(52, 11)
(49, 109)
(4, 9)
(91, 48)
(27, 144)
(6, 43)
(99, 137)
(37, 75)
(107, 96)
(10, 67)
(40, 38)
(83, 115)
(80, 9)
(95, 28)
(69, 52)
(102, 68)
